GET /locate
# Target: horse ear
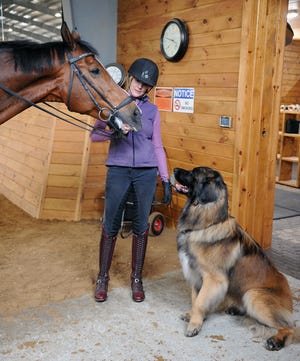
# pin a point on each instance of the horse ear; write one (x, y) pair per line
(67, 37)
(75, 35)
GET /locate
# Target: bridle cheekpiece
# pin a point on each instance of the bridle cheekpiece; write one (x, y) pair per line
(105, 113)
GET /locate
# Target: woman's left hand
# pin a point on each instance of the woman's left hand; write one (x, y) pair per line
(167, 192)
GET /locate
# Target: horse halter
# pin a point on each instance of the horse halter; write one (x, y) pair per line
(105, 113)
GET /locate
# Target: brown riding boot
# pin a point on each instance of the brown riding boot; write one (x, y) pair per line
(106, 250)
(139, 245)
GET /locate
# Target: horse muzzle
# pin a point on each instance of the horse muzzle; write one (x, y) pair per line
(134, 120)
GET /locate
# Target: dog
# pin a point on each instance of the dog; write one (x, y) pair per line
(223, 264)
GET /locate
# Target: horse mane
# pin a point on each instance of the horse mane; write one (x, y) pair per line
(31, 57)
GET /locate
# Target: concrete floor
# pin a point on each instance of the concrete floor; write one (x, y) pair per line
(285, 250)
(119, 329)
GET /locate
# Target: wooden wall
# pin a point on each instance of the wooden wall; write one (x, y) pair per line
(234, 62)
(49, 168)
(25, 151)
(211, 66)
(94, 188)
(291, 74)
(62, 198)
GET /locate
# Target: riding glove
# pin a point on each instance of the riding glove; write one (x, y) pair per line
(167, 192)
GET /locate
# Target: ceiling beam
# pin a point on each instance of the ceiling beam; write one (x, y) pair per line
(28, 35)
(30, 22)
(40, 7)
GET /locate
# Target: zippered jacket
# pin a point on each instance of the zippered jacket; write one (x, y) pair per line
(139, 149)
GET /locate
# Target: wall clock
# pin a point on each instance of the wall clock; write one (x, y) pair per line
(174, 40)
(117, 72)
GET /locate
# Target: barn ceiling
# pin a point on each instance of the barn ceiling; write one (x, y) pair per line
(38, 20)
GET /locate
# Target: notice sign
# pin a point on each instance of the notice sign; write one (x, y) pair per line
(183, 101)
(163, 98)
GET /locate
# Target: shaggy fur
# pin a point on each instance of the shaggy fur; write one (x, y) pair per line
(223, 264)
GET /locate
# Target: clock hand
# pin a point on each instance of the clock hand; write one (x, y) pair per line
(170, 39)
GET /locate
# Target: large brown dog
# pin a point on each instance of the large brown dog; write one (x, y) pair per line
(224, 264)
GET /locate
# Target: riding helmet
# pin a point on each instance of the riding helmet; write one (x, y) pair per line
(145, 71)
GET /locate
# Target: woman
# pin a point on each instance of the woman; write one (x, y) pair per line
(133, 163)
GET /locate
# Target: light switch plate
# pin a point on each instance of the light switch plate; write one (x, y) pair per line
(225, 121)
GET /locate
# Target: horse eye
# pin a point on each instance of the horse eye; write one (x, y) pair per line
(95, 71)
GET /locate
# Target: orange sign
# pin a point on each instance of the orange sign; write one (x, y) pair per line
(163, 98)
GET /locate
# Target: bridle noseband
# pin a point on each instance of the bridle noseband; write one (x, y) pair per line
(105, 113)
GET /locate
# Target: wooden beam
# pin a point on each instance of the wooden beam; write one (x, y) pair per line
(261, 63)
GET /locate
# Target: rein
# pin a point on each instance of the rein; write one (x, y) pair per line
(17, 95)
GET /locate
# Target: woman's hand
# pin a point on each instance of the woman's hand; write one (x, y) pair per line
(126, 128)
(167, 192)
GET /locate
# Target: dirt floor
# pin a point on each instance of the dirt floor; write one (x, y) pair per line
(50, 261)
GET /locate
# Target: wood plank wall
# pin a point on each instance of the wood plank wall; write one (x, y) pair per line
(211, 66)
(94, 188)
(49, 168)
(67, 171)
(291, 74)
(25, 151)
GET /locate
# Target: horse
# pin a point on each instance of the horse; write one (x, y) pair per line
(67, 71)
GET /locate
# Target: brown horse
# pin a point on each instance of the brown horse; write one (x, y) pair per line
(67, 72)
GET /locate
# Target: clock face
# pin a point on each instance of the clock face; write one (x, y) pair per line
(117, 72)
(174, 39)
(171, 40)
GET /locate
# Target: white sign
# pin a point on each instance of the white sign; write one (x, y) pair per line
(183, 100)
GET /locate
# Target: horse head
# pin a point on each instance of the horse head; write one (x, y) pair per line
(91, 90)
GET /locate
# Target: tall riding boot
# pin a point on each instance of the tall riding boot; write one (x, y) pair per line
(139, 245)
(106, 250)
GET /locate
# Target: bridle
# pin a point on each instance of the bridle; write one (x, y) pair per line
(105, 113)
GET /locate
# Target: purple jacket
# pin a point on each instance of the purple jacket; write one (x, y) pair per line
(140, 149)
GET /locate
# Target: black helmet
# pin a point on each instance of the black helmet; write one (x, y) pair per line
(145, 71)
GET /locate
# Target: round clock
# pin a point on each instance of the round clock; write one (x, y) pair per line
(174, 39)
(117, 72)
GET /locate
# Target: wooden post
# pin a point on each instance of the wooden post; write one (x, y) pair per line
(261, 63)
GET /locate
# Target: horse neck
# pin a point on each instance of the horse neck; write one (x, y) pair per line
(32, 86)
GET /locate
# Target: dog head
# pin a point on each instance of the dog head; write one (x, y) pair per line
(202, 185)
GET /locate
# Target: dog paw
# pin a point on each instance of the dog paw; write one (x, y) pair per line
(234, 311)
(192, 330)
(274, 344)
(185, 317)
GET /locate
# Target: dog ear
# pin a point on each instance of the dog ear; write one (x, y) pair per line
(208, 193)
(213, 188)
